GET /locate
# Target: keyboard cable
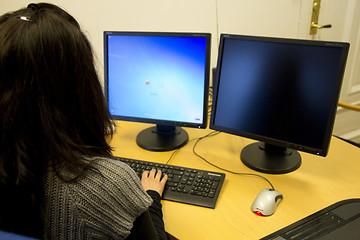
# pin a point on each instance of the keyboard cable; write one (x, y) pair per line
(214, 133)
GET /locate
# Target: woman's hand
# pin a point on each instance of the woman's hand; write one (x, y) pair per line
(151, 180)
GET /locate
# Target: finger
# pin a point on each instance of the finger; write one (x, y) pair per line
(164, 179)
(145, 174)
(152, 173)
(158, 175)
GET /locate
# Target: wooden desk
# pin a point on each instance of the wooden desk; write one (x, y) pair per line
(318, 183)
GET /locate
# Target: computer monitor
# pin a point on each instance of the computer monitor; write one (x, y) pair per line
(160, 78)
(280, 92)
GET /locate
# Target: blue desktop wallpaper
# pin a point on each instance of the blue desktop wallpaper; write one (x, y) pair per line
(157, 77)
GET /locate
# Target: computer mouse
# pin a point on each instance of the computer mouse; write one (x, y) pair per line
(266, 202)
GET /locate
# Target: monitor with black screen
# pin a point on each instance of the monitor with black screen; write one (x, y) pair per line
(281, 92)
(160, 78)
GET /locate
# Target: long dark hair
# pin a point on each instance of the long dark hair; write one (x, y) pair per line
(52, 109)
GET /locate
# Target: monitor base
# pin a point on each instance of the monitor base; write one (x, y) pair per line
(268, 158)
(162, 138)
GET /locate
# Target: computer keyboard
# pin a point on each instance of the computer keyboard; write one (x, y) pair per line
(185, 185)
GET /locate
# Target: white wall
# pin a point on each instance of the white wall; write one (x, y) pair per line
(256, 17)
(96, 16)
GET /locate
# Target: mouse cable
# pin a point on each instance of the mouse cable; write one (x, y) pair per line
(214, 133)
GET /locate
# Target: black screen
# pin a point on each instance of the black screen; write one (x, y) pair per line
(280, 91)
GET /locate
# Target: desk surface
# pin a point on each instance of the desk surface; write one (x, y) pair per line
(318, 183)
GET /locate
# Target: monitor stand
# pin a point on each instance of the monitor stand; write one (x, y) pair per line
(162, 138)
(268, 158)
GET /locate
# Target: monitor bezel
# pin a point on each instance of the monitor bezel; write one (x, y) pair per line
(207, 36)
(270, 140)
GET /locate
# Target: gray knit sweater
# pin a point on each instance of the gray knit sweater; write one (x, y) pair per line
(96, 206)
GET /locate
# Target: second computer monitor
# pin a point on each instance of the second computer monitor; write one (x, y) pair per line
(160, 78)
(282, 92)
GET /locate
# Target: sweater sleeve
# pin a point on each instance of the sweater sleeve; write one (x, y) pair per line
(103, 204)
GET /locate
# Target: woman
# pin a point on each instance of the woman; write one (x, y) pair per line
(57, 178)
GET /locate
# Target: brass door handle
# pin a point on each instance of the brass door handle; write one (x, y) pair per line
(314, 25)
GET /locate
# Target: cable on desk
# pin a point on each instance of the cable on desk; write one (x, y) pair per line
(214, 133)
(173, 154)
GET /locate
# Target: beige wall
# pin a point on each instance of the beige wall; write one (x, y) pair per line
(96, 16)
(212, 16)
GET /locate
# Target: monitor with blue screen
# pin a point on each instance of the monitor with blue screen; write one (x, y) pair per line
(160, 78)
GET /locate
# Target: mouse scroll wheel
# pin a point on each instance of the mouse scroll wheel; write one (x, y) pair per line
(278, 198)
